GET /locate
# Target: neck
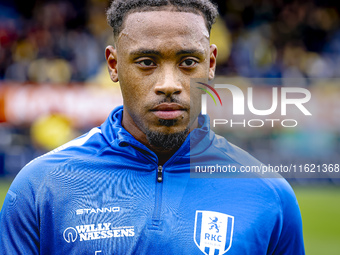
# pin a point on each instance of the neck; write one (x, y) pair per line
(163, 154)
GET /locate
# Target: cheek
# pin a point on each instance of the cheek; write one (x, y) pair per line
(195, 100)
(136, 88)
(132, 96)
(128, 84)
(135, 94)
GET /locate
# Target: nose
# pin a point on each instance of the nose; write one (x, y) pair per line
(169, 83)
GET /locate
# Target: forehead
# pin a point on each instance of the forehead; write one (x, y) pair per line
(163, 28)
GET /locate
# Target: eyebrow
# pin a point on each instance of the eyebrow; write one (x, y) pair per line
(190, 52)
(141, 52)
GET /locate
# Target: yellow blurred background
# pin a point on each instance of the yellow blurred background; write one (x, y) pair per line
(54, 86)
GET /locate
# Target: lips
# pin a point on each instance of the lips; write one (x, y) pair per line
(168, 111)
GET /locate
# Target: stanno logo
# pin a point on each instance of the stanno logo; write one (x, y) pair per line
(213, 232)
(97, 210)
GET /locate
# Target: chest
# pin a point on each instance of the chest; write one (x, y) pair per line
(131, 213)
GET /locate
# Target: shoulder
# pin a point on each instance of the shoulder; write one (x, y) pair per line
(239, 157)
(233, 152)
(285, 194)
(35, 172)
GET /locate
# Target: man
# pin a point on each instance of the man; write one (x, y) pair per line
(125, 187)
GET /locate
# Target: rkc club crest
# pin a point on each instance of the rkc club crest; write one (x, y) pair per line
(213, 232)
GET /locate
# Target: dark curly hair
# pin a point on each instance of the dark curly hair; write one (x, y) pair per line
(119, 9)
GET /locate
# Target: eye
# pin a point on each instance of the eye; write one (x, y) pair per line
(146, 63)
(188, 63)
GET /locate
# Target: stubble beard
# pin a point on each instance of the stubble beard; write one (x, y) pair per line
(166, 141)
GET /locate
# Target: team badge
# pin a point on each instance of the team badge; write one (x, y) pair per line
(213, 232)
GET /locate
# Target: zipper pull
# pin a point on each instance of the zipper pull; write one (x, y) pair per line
(160, 174)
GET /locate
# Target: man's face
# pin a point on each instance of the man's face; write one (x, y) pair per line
(157, 54)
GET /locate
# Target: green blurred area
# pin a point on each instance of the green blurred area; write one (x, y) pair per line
(4, 186)
(320, 209)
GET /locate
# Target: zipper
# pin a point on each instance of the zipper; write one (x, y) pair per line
(160, 174)
(156, 222)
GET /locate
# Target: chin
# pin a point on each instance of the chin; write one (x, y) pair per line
(171, 126)
(167, 138)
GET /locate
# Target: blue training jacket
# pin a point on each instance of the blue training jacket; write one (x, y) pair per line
(104, 193)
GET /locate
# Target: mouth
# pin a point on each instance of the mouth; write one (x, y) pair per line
(168, 111)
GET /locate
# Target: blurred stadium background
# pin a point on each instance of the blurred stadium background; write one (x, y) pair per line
(54, 86)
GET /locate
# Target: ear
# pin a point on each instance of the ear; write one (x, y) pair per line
(111, 59)
(213, 56)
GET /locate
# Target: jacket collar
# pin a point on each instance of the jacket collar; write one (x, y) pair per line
(197, 141)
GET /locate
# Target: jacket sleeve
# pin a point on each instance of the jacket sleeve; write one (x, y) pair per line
(18, 219)
(288, 231)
